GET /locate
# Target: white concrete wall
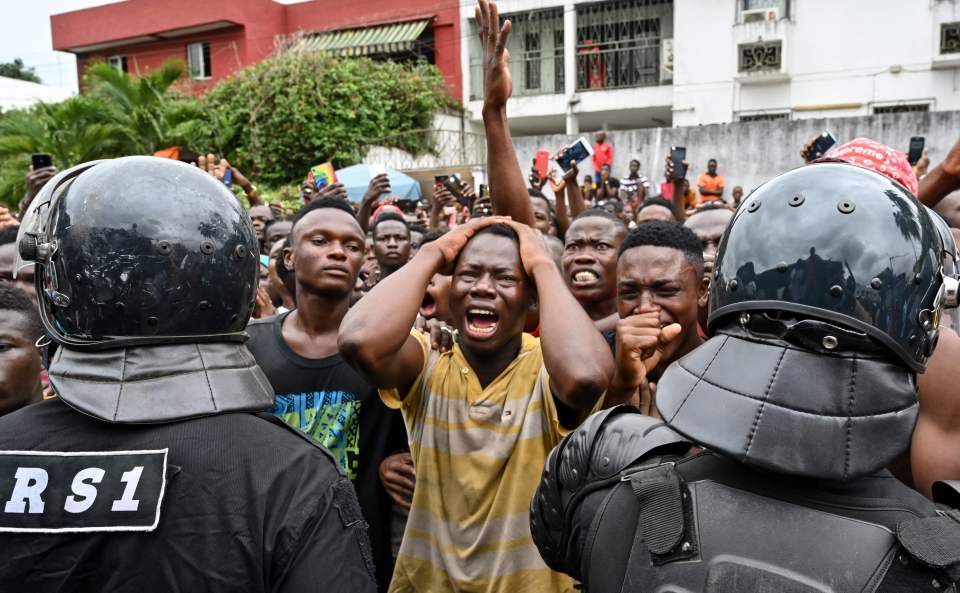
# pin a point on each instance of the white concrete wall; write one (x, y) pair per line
(841, 55)
(751, 153)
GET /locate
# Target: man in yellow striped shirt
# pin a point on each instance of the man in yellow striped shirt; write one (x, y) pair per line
(483, 417)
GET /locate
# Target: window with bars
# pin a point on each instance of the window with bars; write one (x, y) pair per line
(762, 56)
(619, 43)
(902, 108)
(950, 38)
(536, 54)
(118, 62)
(532, 63)
(776, 116)
(198, 60)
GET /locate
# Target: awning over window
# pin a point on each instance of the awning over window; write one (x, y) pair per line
(382, 39)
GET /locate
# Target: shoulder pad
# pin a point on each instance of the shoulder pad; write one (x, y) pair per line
(587, 459)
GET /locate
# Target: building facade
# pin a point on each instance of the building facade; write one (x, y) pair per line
(628, 64)
(218, 37)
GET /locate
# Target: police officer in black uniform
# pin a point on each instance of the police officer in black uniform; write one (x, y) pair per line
(768, 473)
(152, 470)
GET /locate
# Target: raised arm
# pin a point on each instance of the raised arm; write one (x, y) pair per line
(574, 195)
(679, 199)
(375, 335)
(562, 215)
(942, 180)
(508, 191)
(575, 354)
(379, 185)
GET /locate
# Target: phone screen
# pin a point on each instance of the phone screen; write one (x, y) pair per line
(678, 154)
(821, 145)
(40, 160)
(916, 149)
(578, 151)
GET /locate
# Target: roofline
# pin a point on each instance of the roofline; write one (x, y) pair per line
(158, 36)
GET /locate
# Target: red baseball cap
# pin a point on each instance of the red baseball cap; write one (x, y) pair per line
(870, 154)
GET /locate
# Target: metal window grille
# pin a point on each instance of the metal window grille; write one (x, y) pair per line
(536, 54)
(950, 38)
(904, 108)
(558, 71)
(760, 56)
(531, 61)
(752, 117)
(618, 43)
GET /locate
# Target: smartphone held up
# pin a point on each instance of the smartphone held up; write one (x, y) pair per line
(821, 145)
(678, 154)
(41, 160)
(916, 149)
(322, 175)
(579, 151)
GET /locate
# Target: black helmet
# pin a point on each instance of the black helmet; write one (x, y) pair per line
(826, 301)
(841, 244)
(140, 250)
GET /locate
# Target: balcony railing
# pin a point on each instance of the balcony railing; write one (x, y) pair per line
(619, 64)
(533, 74)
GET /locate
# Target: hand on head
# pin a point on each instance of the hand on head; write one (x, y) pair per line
(454, 241)
(533, 249)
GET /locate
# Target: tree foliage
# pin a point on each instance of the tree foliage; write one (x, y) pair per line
(16, 69)
(146, 107)
(287, 113)
(273, 120)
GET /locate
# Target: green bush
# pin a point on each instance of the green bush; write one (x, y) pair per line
(285, 114)
(272, 120)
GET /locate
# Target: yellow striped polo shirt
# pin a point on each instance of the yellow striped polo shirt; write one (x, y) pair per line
(478, 454)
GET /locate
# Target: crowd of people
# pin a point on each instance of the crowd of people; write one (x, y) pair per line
(434, 358)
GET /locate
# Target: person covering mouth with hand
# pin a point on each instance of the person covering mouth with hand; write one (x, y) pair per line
(660, 288)
(483, 414)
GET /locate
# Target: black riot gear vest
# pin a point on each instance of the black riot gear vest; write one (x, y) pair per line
(674, 524)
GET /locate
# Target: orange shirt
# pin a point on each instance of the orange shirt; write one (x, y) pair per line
(714, 183)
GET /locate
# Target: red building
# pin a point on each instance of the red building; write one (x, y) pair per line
(217, 37)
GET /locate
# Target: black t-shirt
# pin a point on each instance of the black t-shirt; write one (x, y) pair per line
(327, 400)
(247, 505)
